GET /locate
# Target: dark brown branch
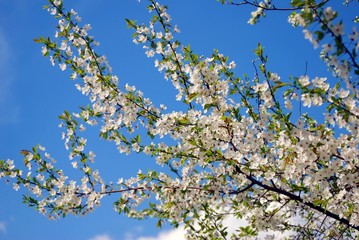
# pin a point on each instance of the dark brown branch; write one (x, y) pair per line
(298, 199)
(338, 39)
(274, 8)
(182, 74)
(198, 188)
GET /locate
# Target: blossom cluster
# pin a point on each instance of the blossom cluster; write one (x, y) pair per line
(340, 51)
(238, 147)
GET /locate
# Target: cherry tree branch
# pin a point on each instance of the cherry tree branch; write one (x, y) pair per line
(274, 8)
(298, 199)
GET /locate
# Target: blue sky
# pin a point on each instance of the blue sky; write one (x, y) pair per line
(33, 93)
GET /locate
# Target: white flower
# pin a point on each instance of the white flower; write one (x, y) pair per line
(307, 102)
(63, 46)
(16, 187)
(288, 103)
(163, 107)
(176, 29)
(52, 192)
(329, 13)
(159, 48)
(44, 50)
(74, 164)
(274, 77)
(304, 80)
(11, 163)
(232, 65)
(168, 36)
(37, 191)
(273, 205)
(57, 2)
(40, 177)
(350, 103)
(91, 156)
(320, 83)
(120, 181)
(343, 93)
(261, 87)
(326, 48)
(317, 100)
(73, 76)
(52, 60)
(308, 35)
(142, 38)
(13, 174)
(159, 35)
(130, 88)
(354, 35)
(52, 11)
(338, 29)
(296, 19)
(62, 66)
(150, 53)
(86, 169)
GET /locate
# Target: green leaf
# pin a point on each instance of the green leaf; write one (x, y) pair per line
(209, 105)
(320, 35)
(192, 96)
(248, 231)
(209, 153)
(297, 3)
(138, 138)
(159, 224)
(183, 121)
(38, 40)
(259, 50)
(192, 142)
(130, 23)
(279, 85)
(187, 49)
(262, 68)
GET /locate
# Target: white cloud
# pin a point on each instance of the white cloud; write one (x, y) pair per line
(175, 234)
(232, 224)
(131, 235)
(101, 237)
(3, 227)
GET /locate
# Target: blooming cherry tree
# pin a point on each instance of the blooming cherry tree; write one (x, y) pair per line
(239, 148)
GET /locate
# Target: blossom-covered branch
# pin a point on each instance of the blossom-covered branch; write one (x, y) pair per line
(240, 148)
